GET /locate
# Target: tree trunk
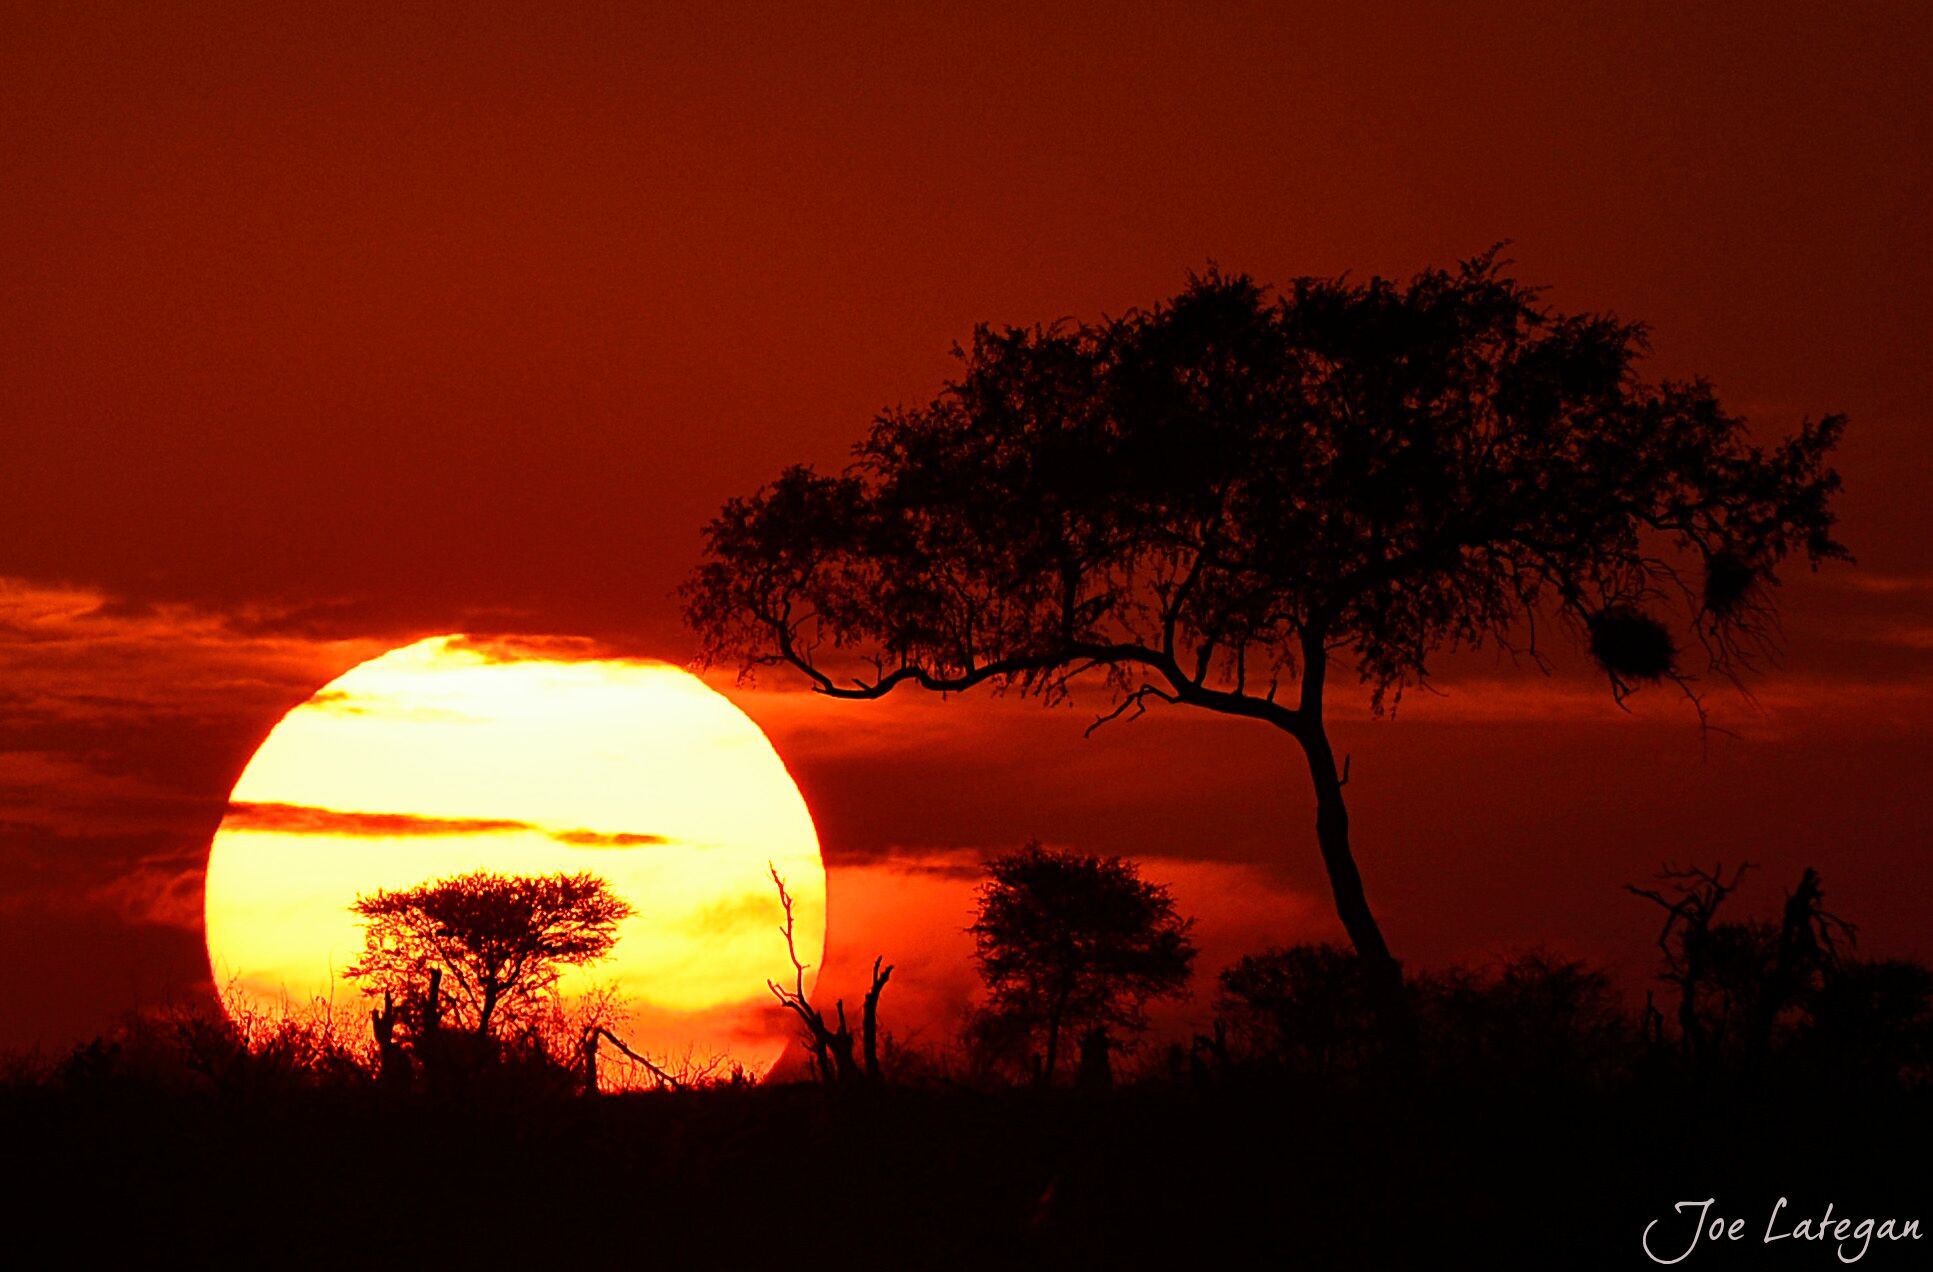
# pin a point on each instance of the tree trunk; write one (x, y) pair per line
(1345, 881)
(488, 1009)
(1053, 1036)
(433, 1005)
(845, 1067)
(1385, 974)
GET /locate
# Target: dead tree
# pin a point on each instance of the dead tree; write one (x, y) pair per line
(1208, 1055)
(870, 1020)
(1695, 897)
(392, 1060)
(1807, 951)
(430, 1053)
(831, 1048)
(588, 1050)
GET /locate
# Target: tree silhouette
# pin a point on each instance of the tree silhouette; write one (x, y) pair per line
(499, 941)
(1736, 981)
(1068, 944)
(1219, 501)
(1303, 1006)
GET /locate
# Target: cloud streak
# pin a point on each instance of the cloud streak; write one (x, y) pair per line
(305, 819)
(308, 819)
(599, 839)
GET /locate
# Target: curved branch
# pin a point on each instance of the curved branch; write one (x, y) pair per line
(1182, 688)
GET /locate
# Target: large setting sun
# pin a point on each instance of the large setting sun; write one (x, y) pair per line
(980, 636)
(451, 756)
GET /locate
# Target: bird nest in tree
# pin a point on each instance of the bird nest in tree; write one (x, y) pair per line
(1728, 585)
(1631, 645)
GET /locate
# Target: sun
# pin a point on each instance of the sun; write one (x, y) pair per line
(452, 755)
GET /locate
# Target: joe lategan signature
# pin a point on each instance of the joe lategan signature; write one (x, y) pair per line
(1673, 1240)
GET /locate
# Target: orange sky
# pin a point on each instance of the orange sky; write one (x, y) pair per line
(328, 331)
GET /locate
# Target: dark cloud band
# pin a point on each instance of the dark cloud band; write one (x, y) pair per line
(307, 819)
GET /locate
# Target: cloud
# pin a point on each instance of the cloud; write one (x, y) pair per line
(79, 654)
(65, 783)
(163, 889)
(304, 819)
(947, 732)
(44, 870)
(1907, 635)
(511, 648)
(943, 861)
(1890, 584)
(717, 920)
(308, 819)
(1770, 708)
(600, 839)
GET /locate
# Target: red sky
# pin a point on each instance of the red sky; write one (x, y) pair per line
(328, 330)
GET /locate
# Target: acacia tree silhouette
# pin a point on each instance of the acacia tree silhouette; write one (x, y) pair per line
(1067, 942)
(1235, 493)
(501, 941)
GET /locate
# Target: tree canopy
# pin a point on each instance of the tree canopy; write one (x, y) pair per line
(502, 941)
(1067, 942)
(1210, 501)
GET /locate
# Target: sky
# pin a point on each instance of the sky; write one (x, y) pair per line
(330, 330)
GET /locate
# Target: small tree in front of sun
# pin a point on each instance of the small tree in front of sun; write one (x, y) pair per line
(500, 943)
(1068, 944)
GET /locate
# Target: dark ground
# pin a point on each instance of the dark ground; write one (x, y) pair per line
(794, 1176)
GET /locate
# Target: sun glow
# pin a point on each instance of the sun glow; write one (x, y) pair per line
(449, 756)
